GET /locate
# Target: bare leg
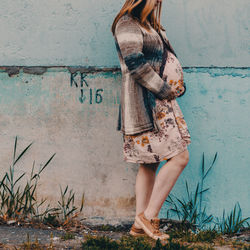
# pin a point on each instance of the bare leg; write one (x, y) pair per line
(144, 185)
(164, 182)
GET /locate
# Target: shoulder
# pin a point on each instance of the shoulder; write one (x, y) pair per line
(127, 22)
(127, 18)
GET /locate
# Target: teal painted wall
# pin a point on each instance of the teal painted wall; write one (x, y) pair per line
(211, 39)
(216, 108)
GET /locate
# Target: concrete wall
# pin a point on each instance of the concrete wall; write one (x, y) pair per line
(216, 109)
(51, 106)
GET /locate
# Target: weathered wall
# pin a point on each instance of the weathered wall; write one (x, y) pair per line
(216, 109)
(77, 119)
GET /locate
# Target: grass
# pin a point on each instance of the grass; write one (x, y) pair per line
(190, 236)
(66, 204)
(139, 243)
(19, 202)
(232, 223)
(194, 219)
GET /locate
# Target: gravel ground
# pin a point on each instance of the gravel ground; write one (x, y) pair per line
(13, 235)
(18, 235)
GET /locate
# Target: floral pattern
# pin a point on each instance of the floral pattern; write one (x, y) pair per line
(174, 75)
(173, 135)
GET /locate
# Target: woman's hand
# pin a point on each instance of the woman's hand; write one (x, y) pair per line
(178, 88)
(171, 96)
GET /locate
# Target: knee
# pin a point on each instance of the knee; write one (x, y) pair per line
(186, 158)
(182, 159)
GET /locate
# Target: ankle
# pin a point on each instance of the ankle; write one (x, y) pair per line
(149, 216)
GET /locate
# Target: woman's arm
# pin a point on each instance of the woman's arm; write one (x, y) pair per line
(129, 42)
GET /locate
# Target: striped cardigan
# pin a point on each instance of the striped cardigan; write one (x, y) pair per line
(140, 54)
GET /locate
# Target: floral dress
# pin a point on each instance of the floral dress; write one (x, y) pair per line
(173, 135)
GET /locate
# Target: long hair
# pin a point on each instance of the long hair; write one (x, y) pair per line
(143, 11)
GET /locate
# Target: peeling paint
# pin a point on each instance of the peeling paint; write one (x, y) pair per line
(35, 70)
(40, 70)
(242, 72)
(12, 71)
(91, 69)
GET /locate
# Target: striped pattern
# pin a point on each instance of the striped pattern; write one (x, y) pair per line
(140, 54)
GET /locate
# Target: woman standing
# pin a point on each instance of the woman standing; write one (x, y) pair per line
(150, 118)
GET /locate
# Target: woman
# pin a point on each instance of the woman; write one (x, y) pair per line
(150, 118)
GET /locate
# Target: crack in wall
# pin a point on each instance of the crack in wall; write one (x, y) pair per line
(40, 70)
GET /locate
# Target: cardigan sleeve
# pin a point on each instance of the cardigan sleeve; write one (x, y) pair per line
(129, 43)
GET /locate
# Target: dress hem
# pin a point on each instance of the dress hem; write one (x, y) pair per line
(162, 158)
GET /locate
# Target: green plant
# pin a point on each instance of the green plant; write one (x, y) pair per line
(232, 223)
(66, 204)
(139, 243)
(51, 219)
(19, 202)
(206, 236)
(191, 209)
(101, 242)
(16, 202)
(65, 211)
(190, 236)
(169, 246)
(128, 242)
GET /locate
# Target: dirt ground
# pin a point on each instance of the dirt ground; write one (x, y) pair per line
(14, 236)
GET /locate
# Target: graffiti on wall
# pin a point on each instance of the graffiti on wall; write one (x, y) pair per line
(87, 94)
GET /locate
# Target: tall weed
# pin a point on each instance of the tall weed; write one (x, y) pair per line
(19, 202)
(233, 222)
(191, 208)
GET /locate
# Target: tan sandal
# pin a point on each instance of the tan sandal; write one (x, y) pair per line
(151, 227)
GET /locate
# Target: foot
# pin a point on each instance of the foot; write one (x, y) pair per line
(134, 231)
(137, 225)
(151, 226)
